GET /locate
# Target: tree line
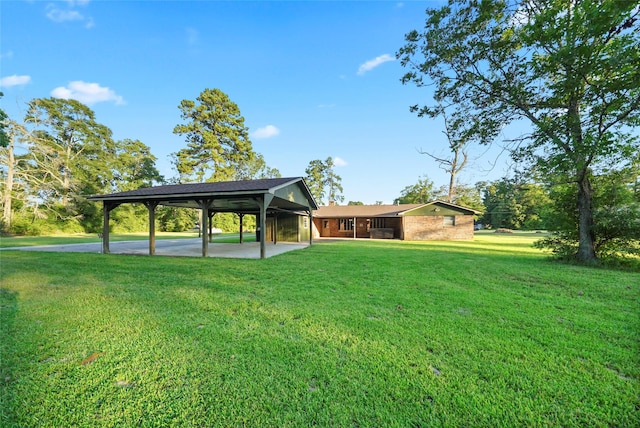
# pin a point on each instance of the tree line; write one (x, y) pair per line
(58, 154)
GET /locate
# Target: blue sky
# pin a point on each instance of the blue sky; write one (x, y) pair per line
(312, 79)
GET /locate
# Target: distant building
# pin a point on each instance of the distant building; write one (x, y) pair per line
(435, 220)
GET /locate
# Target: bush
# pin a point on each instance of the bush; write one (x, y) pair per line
(23, 226)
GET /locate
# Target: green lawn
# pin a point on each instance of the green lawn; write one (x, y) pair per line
(353, 333)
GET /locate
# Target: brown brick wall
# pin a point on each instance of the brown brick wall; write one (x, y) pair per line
(431, 228)
(332, 231)
(361, 228)
(416, 228)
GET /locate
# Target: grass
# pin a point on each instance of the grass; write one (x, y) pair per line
(355, 333)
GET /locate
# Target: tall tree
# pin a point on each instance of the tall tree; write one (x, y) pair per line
(315, 179)
(333, 182)
(322, 180)
(11, 169)
(568, 67)
(73, 153)
(218, 142)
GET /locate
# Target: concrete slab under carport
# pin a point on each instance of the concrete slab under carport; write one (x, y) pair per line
(175, 247)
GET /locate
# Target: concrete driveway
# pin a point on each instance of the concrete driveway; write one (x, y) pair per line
(175, 247)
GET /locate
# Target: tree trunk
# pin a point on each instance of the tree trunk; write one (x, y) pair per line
(452, 183)
(7, 197)
(586, 237)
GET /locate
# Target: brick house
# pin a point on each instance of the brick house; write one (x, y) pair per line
(435, 220)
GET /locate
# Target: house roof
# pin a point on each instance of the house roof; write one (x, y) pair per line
(332, 211)
(228, 196)
(335, 211)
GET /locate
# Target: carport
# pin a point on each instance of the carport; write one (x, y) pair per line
(264, 198)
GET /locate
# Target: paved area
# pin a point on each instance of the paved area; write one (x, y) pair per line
(176, 247)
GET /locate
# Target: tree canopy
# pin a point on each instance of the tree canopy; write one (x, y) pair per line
(218, 144)
(420, 193)
(567, 67)
(73, 153)
(56, 156)
(4, 137)
(322, 180)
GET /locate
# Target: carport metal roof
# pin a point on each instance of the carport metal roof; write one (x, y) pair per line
(242, 197)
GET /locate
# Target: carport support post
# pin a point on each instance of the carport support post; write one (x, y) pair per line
(263, 203)
(151, 206)
(211, 214)
(241, 226)
(204, 206)
(106, 211)
(310, 226)
(275, 228)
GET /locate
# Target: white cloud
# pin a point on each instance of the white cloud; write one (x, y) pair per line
(373, 63)
(87, 93)
(14, 80)
(70, 14)
(265, 132)
(338, 161)
(59, 15)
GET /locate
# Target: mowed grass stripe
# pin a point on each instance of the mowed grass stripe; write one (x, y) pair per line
(355, 333)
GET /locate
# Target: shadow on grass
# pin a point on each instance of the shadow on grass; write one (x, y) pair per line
(8, 312)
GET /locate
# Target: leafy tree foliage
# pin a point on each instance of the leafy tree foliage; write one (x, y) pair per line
(13, 174)
(136, 166)
(514, 204)
(420, 193)
(4, 137)
(616, 214)
(568, 67)
(59, 155)
(72, 156)
(255, 167)
(173, 219)
(218, 144)
(424, 191)
(355, 203)
(322, 180)
(466, 196)
(72, 152)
